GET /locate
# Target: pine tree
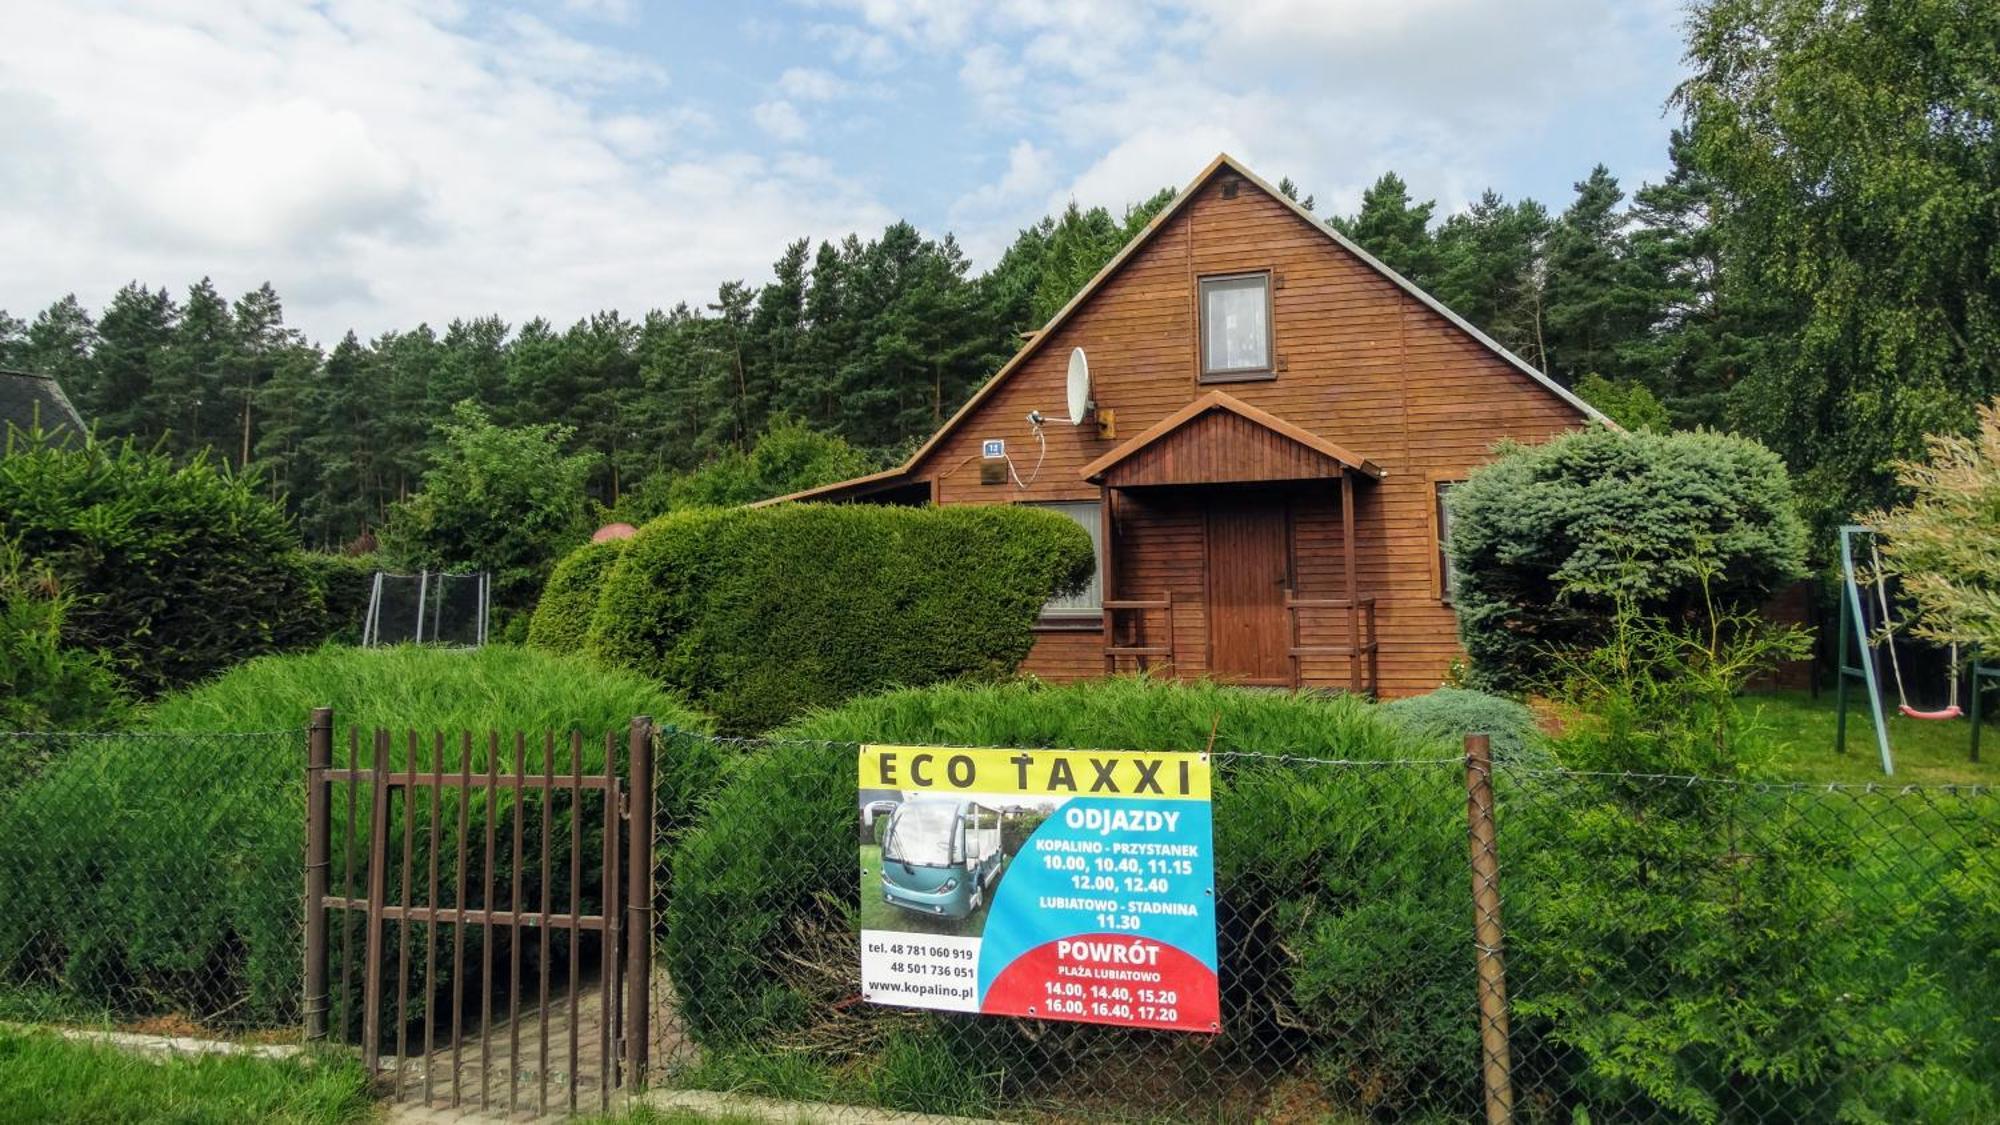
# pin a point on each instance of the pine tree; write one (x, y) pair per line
(190, 383)
(261, 343)
(1598, 297)
(13, 342)
(600, 355)
(474, 363)
(1394, 230)
(59, 343)
(134, 336)
(1489, 270)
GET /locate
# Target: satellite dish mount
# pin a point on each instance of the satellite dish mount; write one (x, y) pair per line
(1079, 387)
(1082, 407)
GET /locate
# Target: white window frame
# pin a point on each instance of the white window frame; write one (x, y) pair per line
(1088, 605)
(1447, 575)
(1269, 369)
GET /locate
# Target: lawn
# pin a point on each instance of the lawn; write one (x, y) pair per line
(879, 915)
(44, 1077)
(1926, 752)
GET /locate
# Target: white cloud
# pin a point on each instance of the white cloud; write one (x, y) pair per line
(1132, 96)
(380, 162)
(852, 45)
(615, 11)
(274, 175)
(781, 119)
(992, 79)
(982, 216)
(811, 84)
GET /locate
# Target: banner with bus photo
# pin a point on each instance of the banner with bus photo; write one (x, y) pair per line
(1053, 884)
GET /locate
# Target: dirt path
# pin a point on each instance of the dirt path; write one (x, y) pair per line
(504, 1072)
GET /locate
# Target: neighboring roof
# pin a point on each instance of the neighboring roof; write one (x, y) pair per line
(1047, 332)
(28, 399)
(1216, 400)
(856, 486)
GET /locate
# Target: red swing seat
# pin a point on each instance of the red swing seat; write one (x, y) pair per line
(1951, 712)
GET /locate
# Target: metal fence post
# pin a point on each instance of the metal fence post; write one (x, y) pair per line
(319, 833)
(639, 899)
(1496, 1062)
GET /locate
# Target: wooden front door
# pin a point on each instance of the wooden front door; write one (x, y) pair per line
(1249, 570)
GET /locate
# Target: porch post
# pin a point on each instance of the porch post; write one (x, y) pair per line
(1108, 592)
(1353, 590)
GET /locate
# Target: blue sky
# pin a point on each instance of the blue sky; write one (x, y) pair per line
(385, 162)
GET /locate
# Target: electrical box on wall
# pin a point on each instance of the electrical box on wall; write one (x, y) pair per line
(1107, 423)
(993, 472)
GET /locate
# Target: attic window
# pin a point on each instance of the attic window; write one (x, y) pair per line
(1236, 328)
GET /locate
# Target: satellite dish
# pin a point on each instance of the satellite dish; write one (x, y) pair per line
(1079, 387)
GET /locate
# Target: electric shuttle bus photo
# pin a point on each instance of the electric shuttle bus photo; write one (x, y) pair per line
(940, 856)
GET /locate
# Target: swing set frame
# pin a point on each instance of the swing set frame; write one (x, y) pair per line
(1854, 624)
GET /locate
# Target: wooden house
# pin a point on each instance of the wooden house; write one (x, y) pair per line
(1273, 418)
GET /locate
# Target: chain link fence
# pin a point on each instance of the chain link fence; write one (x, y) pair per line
(1646, 949)
(152, 880)
(1627, 948)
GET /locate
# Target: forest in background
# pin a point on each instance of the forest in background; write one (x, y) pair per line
(1820, 270)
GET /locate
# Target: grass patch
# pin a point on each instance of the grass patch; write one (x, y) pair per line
(47, 1078)
(1926, 752)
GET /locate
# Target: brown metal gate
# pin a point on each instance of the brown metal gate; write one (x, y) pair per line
(522, 870)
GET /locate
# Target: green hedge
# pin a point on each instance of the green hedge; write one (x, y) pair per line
(156, 872)
(1340, 896)
(1544, 535)
(345, 584)
(179, 571)
(562, 617)
(759, 614)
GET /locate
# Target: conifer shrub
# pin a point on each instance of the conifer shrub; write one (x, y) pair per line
(178, 571)
(45, 684)
(562, 617)
(757, 615)
(160, 871)
(345, 583)
(1340, 897)
(1447, 715)
(1545, 536)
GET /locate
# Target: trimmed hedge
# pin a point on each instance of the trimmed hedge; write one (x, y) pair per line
(179, 571)
(1340, 904)
(345, 583)
(562, 616)
(1544, 535)
(161, 871)
(757, 615)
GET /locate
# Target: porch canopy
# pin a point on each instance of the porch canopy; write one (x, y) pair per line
(1218, 439)
(1221, 440)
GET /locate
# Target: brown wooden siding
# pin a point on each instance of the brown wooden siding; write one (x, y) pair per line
(1366, 366)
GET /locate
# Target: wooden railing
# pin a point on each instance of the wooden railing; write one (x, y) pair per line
(1363, 670)
(1139, 650)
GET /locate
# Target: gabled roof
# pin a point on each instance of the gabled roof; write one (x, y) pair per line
(1215, 401)
(28, 399)
(1222, 162)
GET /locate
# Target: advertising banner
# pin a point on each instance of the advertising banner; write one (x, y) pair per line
(1055, 884)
